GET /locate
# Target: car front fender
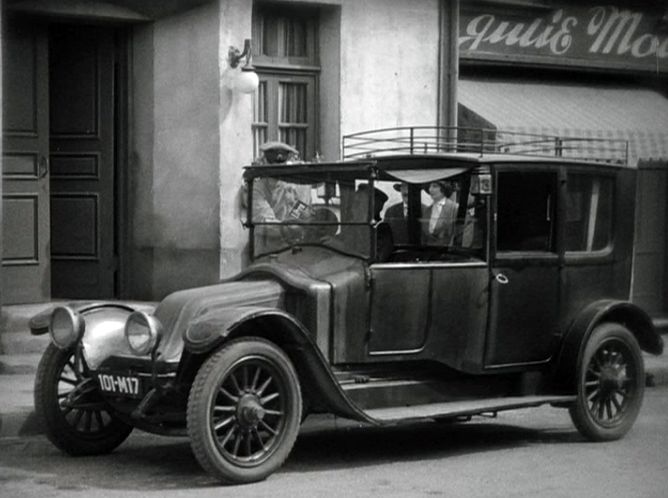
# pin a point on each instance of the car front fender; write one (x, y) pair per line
(320, 386)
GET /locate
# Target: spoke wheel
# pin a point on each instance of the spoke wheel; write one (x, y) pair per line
(244, 411)
(611, 384)
(74, 415)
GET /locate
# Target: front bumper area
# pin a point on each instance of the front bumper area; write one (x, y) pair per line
(144, 393)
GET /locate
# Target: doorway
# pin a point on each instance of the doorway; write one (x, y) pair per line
(60, 166)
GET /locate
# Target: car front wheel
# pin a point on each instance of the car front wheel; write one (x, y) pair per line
(75, 417)
(611, 383)
(244, 411)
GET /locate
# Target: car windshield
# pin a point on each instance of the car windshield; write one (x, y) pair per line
(382, 219)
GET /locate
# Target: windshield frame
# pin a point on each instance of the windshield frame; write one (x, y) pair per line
(368, 172)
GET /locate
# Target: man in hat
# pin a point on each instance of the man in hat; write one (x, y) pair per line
(397, 215)
(277, 201)
(278, 152)
(439, 218)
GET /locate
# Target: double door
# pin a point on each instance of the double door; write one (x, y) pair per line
(58, 162)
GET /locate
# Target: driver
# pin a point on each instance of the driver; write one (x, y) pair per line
(278, 201)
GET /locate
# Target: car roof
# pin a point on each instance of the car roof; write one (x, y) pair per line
(441, 160)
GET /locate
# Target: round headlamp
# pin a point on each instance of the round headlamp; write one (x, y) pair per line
(142, 332)
(66, 327)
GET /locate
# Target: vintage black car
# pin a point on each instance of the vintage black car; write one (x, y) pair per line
(364, 300)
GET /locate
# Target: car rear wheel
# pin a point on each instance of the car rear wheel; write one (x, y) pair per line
(75, 417)
(244, 411)
(611, 383)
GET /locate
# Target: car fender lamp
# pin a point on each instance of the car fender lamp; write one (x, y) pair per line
(247, 80)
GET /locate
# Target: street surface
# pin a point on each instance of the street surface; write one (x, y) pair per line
(527, 453)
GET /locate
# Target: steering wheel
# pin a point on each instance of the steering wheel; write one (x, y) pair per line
(292, 234)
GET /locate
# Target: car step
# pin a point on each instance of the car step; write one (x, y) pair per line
(377, 393)
(461, 408)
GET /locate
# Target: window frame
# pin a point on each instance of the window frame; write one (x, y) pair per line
(551, 254)
(606, 253)
(282, 68)
(610, 224)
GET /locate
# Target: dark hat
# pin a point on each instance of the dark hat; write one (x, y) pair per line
(378, 194)
(446, 187)
(278, 147)
(397, 187)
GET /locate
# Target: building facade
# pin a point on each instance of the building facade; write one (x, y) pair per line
(125, 135)
(125, 132)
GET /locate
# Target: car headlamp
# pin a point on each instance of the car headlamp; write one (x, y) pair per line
(142, 332)
(66, 327)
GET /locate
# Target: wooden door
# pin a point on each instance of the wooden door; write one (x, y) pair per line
(25, 194)
(82, 161)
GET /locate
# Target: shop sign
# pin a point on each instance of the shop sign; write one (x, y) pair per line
(604, 35)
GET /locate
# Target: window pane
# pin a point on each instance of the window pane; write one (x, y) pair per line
(295, 137)
(525, 211)
(260, 119)
(260, 103)
(267, 29)
(285, 33)
(588, 213)
(293, 122)
(294, 40)
(292, 102)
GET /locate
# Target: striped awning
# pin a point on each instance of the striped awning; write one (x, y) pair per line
(639, 116)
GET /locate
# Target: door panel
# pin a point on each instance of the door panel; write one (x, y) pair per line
(651, 248)
(458, 314)
(25, 258)
(399, 309)
(82, 161)
(524, 311)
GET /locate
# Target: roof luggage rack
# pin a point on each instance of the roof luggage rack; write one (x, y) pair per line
(415, 140)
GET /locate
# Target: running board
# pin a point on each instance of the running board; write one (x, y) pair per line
(461, 408)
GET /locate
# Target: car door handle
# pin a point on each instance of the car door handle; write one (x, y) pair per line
(501, 278)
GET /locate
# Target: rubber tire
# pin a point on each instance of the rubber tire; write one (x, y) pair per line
(57, 428)
(580, 413)
(210, 377)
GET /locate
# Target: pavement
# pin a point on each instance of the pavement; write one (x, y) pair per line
(20, 352)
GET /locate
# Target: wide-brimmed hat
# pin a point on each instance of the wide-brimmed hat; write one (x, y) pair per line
(378, 194)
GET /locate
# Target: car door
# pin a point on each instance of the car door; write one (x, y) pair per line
(399, 308)
(524, 281)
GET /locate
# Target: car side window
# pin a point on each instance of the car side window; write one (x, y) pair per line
(588, 213)
(526, 211)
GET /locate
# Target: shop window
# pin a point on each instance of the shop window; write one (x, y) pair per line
(526, 211)
(285, 57)
(588, 213)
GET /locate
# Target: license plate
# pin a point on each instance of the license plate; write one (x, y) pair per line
(125, 385)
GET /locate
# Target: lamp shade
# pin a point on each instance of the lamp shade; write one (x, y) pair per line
(247, 81)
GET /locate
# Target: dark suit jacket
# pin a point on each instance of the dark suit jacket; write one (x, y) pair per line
(394, 216)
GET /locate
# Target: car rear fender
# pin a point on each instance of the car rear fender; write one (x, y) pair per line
(622, 312)
(321, 390)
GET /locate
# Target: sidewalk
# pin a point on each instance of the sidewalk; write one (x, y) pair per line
(20, 353)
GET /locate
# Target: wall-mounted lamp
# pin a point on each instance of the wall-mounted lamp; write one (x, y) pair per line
(247, 80)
